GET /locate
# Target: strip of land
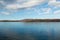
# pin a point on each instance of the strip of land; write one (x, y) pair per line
(32, 20)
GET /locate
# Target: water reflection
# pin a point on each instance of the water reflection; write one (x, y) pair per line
(29, 31)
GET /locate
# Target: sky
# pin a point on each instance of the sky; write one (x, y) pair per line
(29, 9)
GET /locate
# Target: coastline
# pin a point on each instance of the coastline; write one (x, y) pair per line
(32, 20)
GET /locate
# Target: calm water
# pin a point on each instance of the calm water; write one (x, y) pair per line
(29, 30)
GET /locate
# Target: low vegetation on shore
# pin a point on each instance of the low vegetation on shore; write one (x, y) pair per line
(32, 20)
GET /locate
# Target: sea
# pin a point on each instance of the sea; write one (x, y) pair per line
(29, 30)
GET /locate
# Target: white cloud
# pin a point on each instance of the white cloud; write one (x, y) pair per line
(1, 2)
(57, 12)
(29, 3)
(5, 13)
(54, 3)
(11, 6)
(14, 5)
(46, 10)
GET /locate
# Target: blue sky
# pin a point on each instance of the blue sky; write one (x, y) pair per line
(28, 9)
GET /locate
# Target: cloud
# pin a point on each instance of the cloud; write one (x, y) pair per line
(8, 1)
(57, 12)
(1, 2)
(5, 13)
(54, 3)
(11, 4)
(14, 5)
(46, 10)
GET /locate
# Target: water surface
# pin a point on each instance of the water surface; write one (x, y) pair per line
(29, 30)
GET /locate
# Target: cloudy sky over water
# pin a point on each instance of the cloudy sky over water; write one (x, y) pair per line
(24, 9)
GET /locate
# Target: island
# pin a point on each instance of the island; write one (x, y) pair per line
(32, 20)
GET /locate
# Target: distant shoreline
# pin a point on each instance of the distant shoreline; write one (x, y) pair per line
(32, 20)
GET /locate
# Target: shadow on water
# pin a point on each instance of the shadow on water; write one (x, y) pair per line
(28, 31)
